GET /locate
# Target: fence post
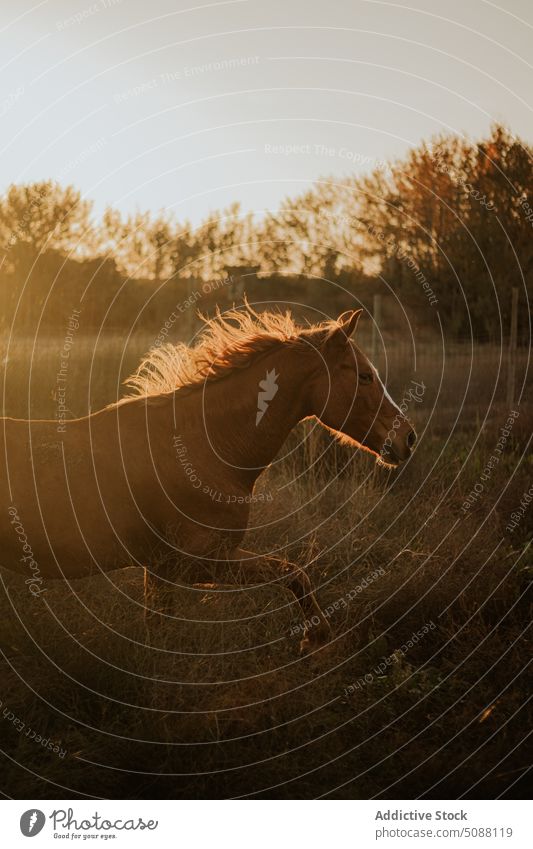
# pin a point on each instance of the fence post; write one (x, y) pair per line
(511, 364)
(376, 314)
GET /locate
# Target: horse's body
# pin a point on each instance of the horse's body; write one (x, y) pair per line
(164, 479)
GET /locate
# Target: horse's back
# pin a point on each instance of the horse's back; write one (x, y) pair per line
(111, 490)
(53, 498)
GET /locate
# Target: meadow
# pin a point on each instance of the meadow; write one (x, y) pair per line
(421, 692)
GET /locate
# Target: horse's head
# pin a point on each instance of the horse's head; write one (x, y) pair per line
(349, 397)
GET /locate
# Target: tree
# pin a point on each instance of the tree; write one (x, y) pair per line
(46, 216)
(453, 212)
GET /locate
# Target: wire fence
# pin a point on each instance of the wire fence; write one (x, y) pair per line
(87, 372)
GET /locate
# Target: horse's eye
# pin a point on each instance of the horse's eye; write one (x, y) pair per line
(365, 377)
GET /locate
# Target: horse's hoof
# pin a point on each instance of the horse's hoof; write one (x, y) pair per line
(305, 646)
(315, 638)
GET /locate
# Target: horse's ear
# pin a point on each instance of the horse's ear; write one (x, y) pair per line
(348, 321)
(337, 339)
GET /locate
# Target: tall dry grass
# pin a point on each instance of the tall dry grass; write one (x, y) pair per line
(223, 705)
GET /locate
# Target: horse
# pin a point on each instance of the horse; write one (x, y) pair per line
(133, 484)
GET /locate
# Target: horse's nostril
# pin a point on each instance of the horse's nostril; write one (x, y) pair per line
(411, 438)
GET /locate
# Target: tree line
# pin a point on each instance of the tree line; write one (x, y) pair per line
(447, 229)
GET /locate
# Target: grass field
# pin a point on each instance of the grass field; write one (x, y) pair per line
(422, 691)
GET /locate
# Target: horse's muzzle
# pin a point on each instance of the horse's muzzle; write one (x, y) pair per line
(398, 451)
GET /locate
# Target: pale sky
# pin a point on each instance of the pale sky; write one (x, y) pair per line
(188, 106)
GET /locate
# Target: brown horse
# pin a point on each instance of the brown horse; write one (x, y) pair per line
(164, 479)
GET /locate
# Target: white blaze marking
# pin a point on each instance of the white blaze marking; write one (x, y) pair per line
(385, 392)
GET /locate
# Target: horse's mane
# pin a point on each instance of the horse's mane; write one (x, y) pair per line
(227, 342)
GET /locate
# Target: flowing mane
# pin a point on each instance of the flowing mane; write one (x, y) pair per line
(227, 342)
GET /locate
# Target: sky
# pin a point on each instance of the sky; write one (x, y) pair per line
(189, 106)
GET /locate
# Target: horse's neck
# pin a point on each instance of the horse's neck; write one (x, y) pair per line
(232, 406)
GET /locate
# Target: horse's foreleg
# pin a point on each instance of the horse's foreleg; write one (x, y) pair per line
(265, 568)
(158, 593)
(160, 586)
